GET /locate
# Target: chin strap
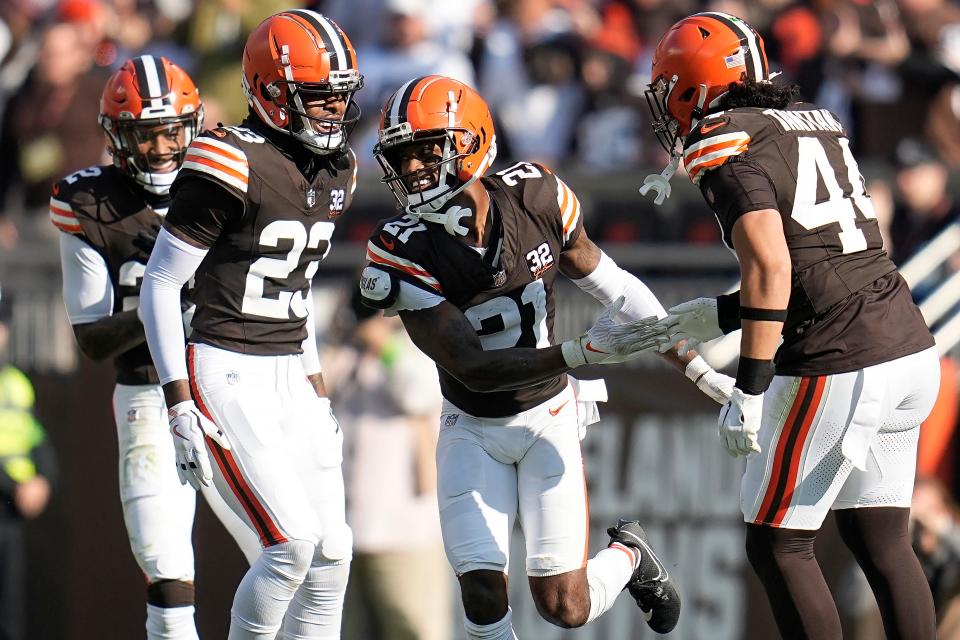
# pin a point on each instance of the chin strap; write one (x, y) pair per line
(660, 182)
(450, 219)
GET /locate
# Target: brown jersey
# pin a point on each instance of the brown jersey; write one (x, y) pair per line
(507, 293)
(107, 210)
(267, 227)
(849, 308)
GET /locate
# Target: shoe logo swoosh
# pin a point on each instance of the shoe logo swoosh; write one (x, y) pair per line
(554, 412)
(177, 433)
(389, 244)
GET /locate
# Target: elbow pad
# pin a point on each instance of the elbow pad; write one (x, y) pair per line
(378, 288)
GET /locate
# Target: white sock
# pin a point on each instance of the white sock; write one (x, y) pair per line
(173, 623)
(502, 630)
(266, 590)
(316, 610)
(607, 573)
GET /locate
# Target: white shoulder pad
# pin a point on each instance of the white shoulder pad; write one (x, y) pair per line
(378, 287)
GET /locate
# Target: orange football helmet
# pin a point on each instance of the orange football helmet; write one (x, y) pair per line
(458, 119)
(144, 94)
(693, 66)
(291, 57)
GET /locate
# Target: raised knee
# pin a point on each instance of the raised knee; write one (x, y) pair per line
(170, 593)
(484, 596)
(564, 613)
(563, 607)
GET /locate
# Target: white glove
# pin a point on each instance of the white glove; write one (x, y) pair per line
(740, 422)
(695, 320)
(713, 383)
(188, 427)
(608, 341)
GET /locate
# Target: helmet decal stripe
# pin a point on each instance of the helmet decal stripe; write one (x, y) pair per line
(331, 38)
(748, 39)
(155, 91)
(398, 110)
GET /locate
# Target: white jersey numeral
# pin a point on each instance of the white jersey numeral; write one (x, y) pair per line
(839, 207)
(519, 171)
(505, 313)
(130, 275)
(279, 269)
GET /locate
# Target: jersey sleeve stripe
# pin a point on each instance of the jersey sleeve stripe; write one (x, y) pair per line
(62, 208)
(378, 256)
(63, 217)
(222, 148)
(569, 208)
(698, 148)
(711, 161)
(220, 172)
(241, 168)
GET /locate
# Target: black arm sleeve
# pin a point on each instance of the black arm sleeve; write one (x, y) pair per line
(200, 210)
(45, 459)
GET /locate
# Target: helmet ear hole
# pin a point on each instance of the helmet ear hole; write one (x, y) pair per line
(687, 95)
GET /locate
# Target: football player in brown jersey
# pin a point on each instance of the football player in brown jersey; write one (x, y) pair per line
(470, 267)
(256, 204)
(108, 216)
(830, 418)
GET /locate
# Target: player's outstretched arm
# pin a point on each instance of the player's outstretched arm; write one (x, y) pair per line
(597, 274)
(764, 295)
(444, 333)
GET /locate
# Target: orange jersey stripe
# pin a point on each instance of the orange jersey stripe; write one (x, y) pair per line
(216, 165)
(200, 144)
(66, 213)
(414, 272)
(716, 147)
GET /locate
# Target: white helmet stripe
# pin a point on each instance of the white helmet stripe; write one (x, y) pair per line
(398, 100)
(747, 33)
(343, 60)
(152, 77)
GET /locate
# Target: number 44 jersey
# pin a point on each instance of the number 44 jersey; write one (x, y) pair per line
(849, 308)
(504, 290)
(241, 193)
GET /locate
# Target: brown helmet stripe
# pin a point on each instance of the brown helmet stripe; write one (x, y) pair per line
(333, 40)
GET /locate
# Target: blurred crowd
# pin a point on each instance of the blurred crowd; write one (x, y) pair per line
(565, 79)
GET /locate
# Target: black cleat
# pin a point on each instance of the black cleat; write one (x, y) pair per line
(650, 585)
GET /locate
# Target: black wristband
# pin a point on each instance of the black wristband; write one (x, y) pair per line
(763, 315)
(728, 311)
(753, 375)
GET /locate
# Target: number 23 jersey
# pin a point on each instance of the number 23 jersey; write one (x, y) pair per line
(506, 294)
(267, 227)
(849, 308)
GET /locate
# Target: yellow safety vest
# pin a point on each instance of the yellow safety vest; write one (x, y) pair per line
(20, 433)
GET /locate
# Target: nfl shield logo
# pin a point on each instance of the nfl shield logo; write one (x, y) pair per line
(311, 198)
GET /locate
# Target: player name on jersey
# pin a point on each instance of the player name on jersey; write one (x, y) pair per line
(813, 120)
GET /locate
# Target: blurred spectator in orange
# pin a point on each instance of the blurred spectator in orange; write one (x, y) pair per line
(924, 204)
(935, 522)
(46, 130)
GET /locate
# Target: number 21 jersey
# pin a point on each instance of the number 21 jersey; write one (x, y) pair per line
(506, 294)
(267, 227)
(849, 308)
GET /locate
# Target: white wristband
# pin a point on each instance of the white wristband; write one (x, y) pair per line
(697, 368)
(573, 353)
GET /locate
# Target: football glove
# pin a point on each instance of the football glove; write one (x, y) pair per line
(147, 238)
(713, 383)
(188, 427)
(608, 341)
(739, 423)
(693, 321)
